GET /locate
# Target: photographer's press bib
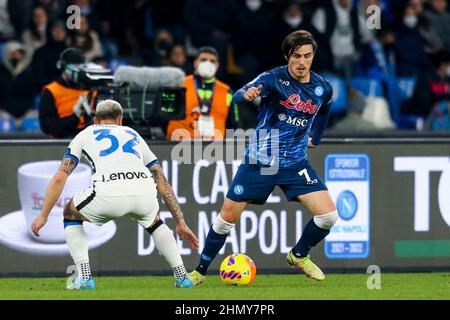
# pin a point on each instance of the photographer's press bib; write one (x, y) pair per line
(205, 126)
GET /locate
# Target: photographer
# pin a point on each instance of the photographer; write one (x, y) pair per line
(62, 110)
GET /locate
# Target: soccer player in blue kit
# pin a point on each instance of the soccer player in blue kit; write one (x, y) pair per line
(293, 99)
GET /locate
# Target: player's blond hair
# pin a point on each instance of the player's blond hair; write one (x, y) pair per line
(108, 109)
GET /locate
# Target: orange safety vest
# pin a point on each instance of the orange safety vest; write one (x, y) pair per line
(218, 111)
(65, 98)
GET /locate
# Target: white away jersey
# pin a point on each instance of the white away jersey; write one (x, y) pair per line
(119, 157)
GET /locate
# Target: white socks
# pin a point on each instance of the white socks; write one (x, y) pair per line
(164, 241)
(78, 247)
(168, 248)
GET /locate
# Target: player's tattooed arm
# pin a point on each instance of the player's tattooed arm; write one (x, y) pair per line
(68, 165)
(166, 192)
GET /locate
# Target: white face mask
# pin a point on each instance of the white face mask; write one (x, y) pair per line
(293, 22)
(42, 28)
(410, 21)
(253, 5)
(206, 69)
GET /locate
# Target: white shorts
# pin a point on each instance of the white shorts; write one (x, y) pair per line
(99, 209)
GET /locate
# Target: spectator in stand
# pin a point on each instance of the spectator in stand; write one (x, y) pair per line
(367, 34)
(177, 58)
(410, 45)
(439, 19)
(7, 31)
(294, 18)
(432, 87)
(338, 21)
(86, 39)
(378, 56)
(55, 9)
(159, 53)
(253, 23)
(209, 23)
(16, 90)
(36, 36)
(433, 41)
(354, 121)
(88, 10)
(44, 59)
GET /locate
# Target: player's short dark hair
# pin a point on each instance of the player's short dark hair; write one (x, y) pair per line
(297, 39)
(210, 50)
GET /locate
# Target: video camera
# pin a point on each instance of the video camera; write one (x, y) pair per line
(150, 97)
(89, 76)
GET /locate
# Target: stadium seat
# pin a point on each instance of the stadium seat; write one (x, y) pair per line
(30, 125)
(36, 102)
(7, 123)
(367, 86)
(405, 90)
(339, 104)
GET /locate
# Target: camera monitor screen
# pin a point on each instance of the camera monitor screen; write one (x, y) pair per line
(152, 107)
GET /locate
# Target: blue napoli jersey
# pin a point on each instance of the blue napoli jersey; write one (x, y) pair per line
(287, 112)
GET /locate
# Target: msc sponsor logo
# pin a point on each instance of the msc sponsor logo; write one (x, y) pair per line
(295, 121)
(294, 102)
(130, 175)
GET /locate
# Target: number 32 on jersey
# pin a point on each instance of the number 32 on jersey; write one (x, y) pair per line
(127, 147)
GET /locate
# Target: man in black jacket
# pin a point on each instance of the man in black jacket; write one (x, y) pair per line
(432, 86)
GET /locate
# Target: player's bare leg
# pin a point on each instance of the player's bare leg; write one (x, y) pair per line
(325, 215)
(229, 214)
(167, 246)
(78, 247)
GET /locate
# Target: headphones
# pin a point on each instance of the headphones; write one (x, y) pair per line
(62, 61)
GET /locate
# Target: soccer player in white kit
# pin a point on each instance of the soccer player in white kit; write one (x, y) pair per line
(127, 178)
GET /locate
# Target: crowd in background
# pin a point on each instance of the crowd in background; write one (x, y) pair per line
(413, 43)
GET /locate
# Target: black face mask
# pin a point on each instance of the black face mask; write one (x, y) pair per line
(15, 62)
(389, 47)
(163, 46)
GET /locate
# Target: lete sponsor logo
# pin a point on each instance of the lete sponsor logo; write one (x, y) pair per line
(294, 102)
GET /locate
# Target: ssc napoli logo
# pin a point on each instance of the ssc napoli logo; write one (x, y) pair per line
(318, 91)
(347, 205)
(238, 189)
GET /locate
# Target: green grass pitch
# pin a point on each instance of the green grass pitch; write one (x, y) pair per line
(268, 287)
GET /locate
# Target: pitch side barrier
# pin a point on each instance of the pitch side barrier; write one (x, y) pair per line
(392, 193)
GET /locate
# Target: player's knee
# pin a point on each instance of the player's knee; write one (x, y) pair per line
(228, 213)
(326, 221)
(66, 212)
(220, 226)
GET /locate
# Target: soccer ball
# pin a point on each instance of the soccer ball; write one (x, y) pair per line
(237, 270)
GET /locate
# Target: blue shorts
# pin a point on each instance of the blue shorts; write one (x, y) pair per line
(252, 186)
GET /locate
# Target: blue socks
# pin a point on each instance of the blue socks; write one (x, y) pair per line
(214, 242)
(68, 223)
(311, 236)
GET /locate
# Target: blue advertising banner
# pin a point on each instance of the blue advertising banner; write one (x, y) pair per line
(347, 177)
